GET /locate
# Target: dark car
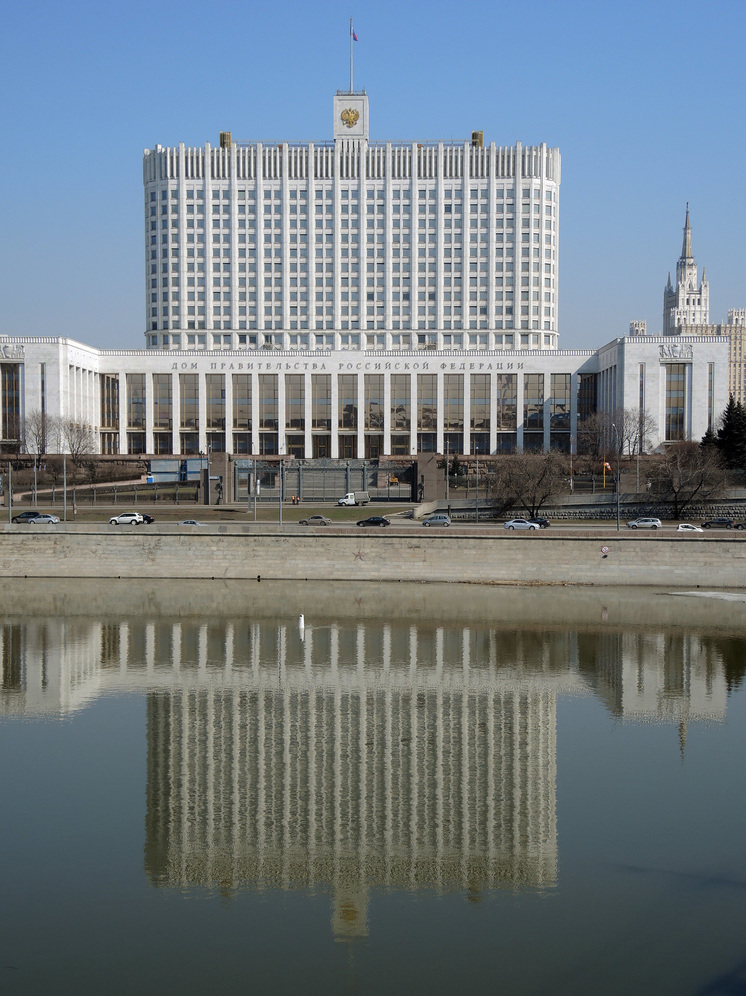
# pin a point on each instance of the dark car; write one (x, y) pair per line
(147, 519)
(540, 521)
(374, 520)
(739, 525)
(721, 523)
(24, 516)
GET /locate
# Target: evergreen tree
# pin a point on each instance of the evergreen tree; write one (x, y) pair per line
(731, 436)
(709, 439)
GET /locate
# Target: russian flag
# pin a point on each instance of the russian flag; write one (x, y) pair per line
(354, 36)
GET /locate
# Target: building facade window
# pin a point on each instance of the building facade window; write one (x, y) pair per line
(189, 402)
(347, 404)
(675, 401)
(587, 396)
(136, 402)
(533, 412)
(295, 402)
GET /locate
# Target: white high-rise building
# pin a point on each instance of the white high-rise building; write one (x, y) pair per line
(688, 303)
(349, 300)
(352, 244)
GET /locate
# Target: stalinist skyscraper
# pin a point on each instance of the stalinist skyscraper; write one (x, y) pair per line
(688, 303)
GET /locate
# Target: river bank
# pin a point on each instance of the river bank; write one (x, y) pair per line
(457, 555)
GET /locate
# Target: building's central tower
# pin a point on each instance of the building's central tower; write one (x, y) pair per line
(350, 115)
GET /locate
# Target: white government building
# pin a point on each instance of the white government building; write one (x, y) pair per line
(354, 300)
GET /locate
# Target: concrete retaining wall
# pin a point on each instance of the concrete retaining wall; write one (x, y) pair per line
(395, 554)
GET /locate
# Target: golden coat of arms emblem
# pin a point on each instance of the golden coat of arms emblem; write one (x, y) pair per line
(350, 117)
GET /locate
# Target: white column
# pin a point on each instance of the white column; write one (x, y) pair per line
(259, 239)
(175, 414)
(208, 239)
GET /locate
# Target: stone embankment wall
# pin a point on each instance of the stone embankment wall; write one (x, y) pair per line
(480, 555)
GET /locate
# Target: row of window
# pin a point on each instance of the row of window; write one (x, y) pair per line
(291, 341)
(275, 193)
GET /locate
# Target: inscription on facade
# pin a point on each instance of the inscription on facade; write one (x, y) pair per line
(372, 366)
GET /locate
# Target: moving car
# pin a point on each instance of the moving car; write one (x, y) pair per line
(147, 519)
(25, 516)
(718, 523)
(374, 520)
(355, 498)
(191, 522)
(687, 527)
(315, 520)
(439, 519)
(645, 523)
(740, 525)
(41, 518)
(127, 519)
(541, 521)
(522, 524)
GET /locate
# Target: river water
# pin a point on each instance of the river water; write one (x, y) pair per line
(367, 789)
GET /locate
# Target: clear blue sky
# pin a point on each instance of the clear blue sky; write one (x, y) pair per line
(644, 98)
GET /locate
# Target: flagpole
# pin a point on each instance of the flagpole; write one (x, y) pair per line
(350, 55)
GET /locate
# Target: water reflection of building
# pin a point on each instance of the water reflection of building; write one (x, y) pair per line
(670, 677)
(360, 755)
(51, 666)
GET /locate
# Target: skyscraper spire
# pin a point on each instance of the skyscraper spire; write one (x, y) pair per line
(686, 249)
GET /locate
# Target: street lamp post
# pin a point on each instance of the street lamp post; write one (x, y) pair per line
(616, 434)
(477, 506)
(448, 469)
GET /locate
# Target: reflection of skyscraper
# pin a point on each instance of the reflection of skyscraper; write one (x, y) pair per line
(382, 768)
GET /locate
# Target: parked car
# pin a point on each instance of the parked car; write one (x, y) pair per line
(41, 519)
(687, 527)
(25, 516)
(191, 522)
(439, 519)
(374, 520)
(315, 520)
(540, 521)
(645, 523)
(718, 523)
(522, 524)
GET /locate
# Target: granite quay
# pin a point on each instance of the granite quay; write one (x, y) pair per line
(460, 554)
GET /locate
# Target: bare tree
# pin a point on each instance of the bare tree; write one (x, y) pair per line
(47, 433)
(528, 480)
(688, 472)
(35, 432)
(635, 426)
(78, 438)
(596, 436)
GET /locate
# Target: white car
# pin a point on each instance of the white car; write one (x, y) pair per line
(521, 524)
(127, 519)
(645, 523)
(687, 527)
(42, 519)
